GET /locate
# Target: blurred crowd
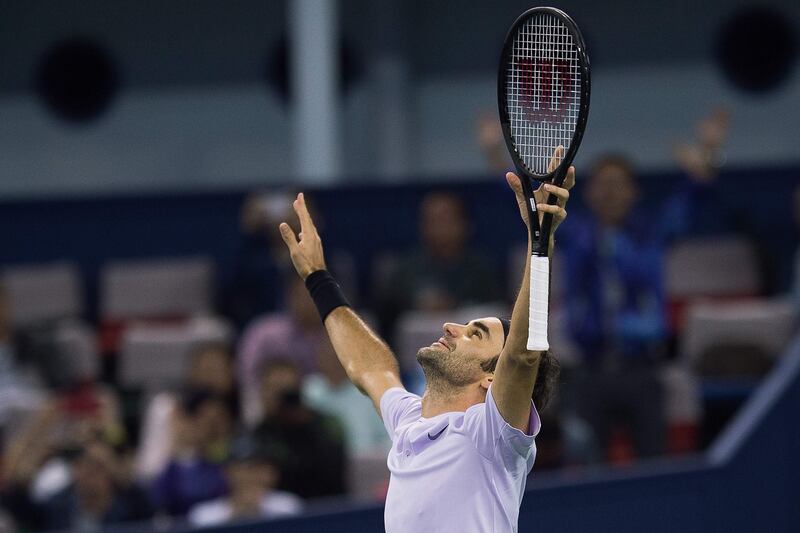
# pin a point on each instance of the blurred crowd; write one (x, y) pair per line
(262, 421)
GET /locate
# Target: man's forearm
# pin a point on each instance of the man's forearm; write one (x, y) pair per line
(368, 361)
(518, 332)
(360, 350)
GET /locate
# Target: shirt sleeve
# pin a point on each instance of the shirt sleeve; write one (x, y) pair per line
(494, 436)
(399, 407)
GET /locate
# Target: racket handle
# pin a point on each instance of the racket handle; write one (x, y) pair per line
(538, 304)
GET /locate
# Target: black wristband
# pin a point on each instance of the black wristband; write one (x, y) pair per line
(325, 292)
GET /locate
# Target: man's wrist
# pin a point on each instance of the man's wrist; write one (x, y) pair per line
(326, 292)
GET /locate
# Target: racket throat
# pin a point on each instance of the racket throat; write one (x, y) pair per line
(536, 232)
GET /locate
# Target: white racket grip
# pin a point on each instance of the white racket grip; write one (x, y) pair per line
(539, 297)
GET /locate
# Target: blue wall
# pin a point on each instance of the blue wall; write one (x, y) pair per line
(363, 219)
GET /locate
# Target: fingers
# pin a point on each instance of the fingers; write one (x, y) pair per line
(288, 236)
(560, 192)
(514, 182)
(558, 155)
(569, 180)
(556, 210)
(306, 224)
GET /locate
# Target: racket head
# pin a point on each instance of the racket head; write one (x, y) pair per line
(543, 88)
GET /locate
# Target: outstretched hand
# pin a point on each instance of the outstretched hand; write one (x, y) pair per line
(558, 211)
(307, 256)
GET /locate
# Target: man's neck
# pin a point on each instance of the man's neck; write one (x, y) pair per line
(437, 400)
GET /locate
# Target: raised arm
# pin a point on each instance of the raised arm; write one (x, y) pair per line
(517, 367)
(368, 361)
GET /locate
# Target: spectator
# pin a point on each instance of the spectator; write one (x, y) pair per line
(35, 461)
(100, 494)
(615, 301)
(210, 369)
(19, 391)
(443, 274)
(25, 457)
(307, 446)
(261, 260)
(193, 473)
(296, 335)
(62, 472)
(702, 158)
(490, 139)
(251, 478)
(330, 391)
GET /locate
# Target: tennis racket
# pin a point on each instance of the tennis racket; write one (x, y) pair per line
(543, 98)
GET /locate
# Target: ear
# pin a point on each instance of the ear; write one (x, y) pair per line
(486, 381)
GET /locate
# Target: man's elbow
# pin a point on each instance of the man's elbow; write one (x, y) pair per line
(525, 358)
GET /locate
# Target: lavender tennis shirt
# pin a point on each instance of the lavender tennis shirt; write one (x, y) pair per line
(459, 472)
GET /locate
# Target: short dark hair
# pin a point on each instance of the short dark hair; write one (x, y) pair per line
(194, 398)
(546, 378)
(270, 365)
(613, 159)
(202, 348)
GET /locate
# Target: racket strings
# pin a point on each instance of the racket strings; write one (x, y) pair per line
(543, 90)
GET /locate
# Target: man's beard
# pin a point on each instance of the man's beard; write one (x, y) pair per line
(444, 369)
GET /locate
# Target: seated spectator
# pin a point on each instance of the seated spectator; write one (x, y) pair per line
(20, 391)
(193, 473)
(330, 391)
(99, 495)
(261, 261)
(251, 479)
(307, 447)
(211, 369)
(25, 457)
(62, 473)
(36, 459)
(296, 335)
(443, 274)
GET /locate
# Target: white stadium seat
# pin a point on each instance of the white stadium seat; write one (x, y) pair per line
(153, 356)
(766, 324)
(156, 288)
(43, 292)
(712, 267)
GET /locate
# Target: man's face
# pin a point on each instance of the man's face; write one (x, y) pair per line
(457, 357)
(212, 369)
(278, 384)
(253, 475)
(442, 225)
(611, 193)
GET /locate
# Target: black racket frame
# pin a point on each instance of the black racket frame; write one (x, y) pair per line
(557, 176)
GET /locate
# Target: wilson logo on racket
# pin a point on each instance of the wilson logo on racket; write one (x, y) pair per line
(546, 89)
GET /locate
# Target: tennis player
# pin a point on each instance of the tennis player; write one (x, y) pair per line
(461, 453)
